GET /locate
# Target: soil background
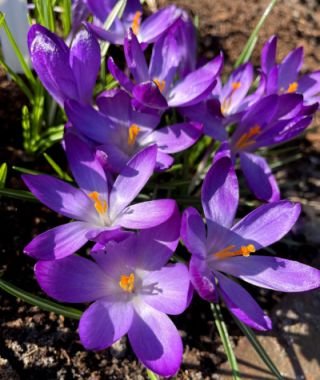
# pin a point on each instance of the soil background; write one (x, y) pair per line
(41, 345)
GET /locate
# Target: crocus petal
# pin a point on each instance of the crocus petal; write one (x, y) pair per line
(115, 34)
(290, 67)
(268, 223)
(59, 196)
(103, 323)
(124, 81)
(309, 84)
(164, 161)
(203, 279)
(135, 58)
(220, 193)
(149, 95)
(100, 9)
(268, 55)
(50, 59)
(166, 290)
(60, 241)
(259, 177)
(175, 138)
(132, 179)
(155, 340)
(193, 232)
(146, 214)
(72, 279)
(242, 305)
(85, 63)
(116, 157)
(197, 85)
(272, 273)
(85, 167)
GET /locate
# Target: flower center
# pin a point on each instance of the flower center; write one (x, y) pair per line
(161, 84)
(246, 139)
(136, 22)
(100, 206)
(228, 99)
(231, 252)
(133, 133)
(292, 87)
(127, 283)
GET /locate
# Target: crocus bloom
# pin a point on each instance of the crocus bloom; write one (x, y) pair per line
(147, 31)
(154, 87)
(284, 77)
(223, 248)
(65, 73)
(94, 206)
(272, 120)
(132, 290)
(122, 131)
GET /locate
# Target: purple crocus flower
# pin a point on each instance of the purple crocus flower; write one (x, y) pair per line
(132, 290)
(65, 73)
(284, 77)
(95, 207)
(147, 31)
(122, 131)
(154, 87)
(223, 248)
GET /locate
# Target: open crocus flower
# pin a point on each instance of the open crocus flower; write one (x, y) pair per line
(284, 77)
(222, 248)
(65, 73)
(94, 206)
(122, 131)
(132, 290)
(154, 87)
(147, 31)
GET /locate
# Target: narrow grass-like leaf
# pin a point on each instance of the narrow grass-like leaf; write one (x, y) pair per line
(25, 170)
(223, 332)
(258, 348)
(3, 175)
(66, 17)
(152, 375)
(18, 194)
(42, 303)
(62, 174)
(251, 43)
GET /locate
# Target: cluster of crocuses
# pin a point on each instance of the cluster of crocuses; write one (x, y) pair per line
(114, 142)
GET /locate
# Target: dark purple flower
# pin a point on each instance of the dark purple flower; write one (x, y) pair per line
(97, 206)
(222, 248)
(284, 77)
(65, 73)
(122, 131)
(132, 290)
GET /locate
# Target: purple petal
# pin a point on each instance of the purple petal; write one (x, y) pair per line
(103, 323)
(273, 273)
(309, 85)
(197, 85)
(60, 241)
(290, 67)
(146, 214)
(85, 63)
(149, 95)
(242, 305)
(124, 81)
(164, 161)
(132, 179)
(114, 35)
(268, 55)
(259, 177)
(268, 223)
(116, 157)
(155, 340)
(193, 232)
(135, 58)
(166, 290)
(72, 279)
(100, 8)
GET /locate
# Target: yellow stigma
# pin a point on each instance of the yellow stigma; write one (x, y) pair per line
(246, 139)
(235, 86)
(101, 206)
(230, 252)
(127, 283)
(161, 84)
(227, 100)
(136, 22)
(292, 87)
(133, 133)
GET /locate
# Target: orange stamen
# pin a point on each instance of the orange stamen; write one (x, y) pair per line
(133, 133)
(246, 139)
(136, 22)
(100, 206)
(235, 86)
(161, 84)
(127, 283)
(230, 252)
(227, 100)
(292, 87)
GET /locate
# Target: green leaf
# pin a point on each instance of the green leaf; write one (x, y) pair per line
(3, 175)
(62, 174)
(251, 43)
(66, 17)
(152, 375)
(223, 332)
(25, 170)
(258, 348)
(18, 194)
(42, 303)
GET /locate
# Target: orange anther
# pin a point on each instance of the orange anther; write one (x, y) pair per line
(136, 22)
(100, 206)
(133, 133)
(127, 283)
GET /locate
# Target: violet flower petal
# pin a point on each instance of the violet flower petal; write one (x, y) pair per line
(268, 55)
(135, 59)
(123, 80)
(149, 95)
(289, 68)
